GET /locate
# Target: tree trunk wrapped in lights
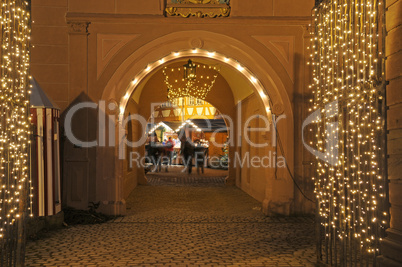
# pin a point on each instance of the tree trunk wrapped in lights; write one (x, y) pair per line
(349, 115)
(15, 188)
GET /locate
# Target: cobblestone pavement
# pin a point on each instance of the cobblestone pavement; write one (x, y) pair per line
(176, 176)
(182, 226)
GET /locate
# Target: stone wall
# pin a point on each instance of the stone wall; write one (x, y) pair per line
(49, 56)
(241, 8)
(66, 66)
(269, 181)
(392, 244)
(91, 50)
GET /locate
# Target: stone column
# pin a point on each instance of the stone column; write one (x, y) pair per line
(392, 244)
(78, 167)
(304, 168)
(78, 59)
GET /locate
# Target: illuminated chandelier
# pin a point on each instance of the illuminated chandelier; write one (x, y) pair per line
(191, 80)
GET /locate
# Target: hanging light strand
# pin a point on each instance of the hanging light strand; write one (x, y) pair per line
(197, 86)
(347, 66)
(15, 184)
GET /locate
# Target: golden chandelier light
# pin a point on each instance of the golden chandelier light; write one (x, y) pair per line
(190, 80)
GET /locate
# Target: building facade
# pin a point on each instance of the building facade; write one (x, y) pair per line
(93, 50)
(111, 53)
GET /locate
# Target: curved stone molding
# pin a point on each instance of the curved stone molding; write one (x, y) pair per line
(108, 45)
(182, 40)
(283, 48)
(78, 27)
(112, 107)
(278, 109)
(196, 43)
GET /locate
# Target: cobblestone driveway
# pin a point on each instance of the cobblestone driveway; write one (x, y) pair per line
(182, 226)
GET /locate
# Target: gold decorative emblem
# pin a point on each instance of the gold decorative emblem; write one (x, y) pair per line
(198, 8)
(200, 1)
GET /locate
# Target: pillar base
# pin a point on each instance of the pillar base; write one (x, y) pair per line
(113, 207)
(391, 248)
(229, 181)
(142, 178)
(271, 208)
(385, 262)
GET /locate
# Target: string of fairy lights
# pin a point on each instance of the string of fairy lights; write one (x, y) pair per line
(198, 86)
(347, 65)
(15, 184)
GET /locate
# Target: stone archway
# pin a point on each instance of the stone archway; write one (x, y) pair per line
(122, 81)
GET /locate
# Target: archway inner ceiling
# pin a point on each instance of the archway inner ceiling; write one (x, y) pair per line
(240, 87)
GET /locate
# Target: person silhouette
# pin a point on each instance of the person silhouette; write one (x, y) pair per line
(187, 151)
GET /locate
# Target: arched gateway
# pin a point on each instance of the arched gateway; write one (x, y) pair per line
(249, 85)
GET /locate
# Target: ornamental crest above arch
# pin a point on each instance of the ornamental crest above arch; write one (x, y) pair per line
(198, 8)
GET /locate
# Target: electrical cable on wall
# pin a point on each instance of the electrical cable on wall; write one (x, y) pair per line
(278, 139)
